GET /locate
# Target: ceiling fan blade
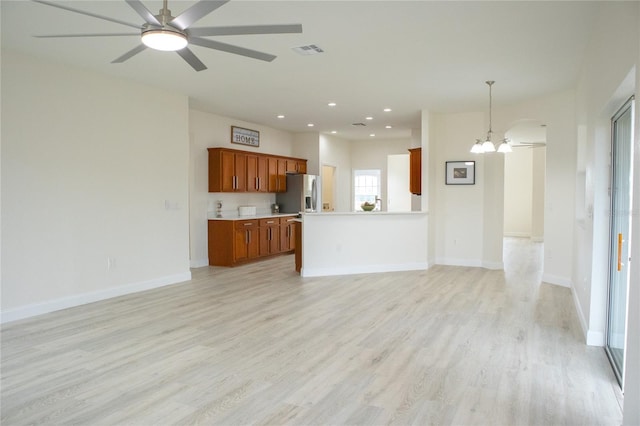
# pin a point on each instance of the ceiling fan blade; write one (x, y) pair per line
(82, 12)
(139, 48)
(231, 49)
(246, 29)
(196, 12)
(140, 8)
(89, 35)
(191, 59)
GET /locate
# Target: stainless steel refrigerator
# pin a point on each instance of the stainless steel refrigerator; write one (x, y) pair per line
(303, 195)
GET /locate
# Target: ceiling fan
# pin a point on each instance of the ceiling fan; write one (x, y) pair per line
(530, 145)
(166, 32)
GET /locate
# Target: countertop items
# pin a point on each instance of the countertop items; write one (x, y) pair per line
(233, 215)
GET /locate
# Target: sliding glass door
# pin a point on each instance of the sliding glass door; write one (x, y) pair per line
(621, 192)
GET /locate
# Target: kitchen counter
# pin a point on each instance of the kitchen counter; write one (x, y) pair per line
(236, 216)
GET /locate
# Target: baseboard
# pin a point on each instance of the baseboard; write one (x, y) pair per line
(493, 265)
(473, 263)
(365, 269)
(557, 280)
(517, 234)
(537, 239)
(198, 263)
(448, 261)
(32, 310)
(581, 318)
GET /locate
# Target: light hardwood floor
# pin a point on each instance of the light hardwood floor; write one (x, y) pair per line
(257, 344)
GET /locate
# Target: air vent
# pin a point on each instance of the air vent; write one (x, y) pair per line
(359, 124)
(310, 49)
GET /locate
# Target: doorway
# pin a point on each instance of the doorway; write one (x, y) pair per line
(328, 188)
(398, 195)
(620, 229)
(524, 181)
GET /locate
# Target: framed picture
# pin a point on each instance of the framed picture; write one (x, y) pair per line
(245, 136)
(460, 172)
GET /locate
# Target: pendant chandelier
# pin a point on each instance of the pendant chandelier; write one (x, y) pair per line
(487, 146)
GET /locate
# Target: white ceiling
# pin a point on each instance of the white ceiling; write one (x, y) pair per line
(406, 56)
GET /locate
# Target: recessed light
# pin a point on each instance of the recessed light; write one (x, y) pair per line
(387, 127)
(332, 104)
(281, 116)
(368, 118)
(334, 132)
(387, 110)
(310, 125)
(372, 134)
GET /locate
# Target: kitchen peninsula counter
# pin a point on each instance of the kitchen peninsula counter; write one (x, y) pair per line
(341, 243)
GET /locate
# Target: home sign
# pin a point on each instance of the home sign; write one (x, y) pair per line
(245, 136)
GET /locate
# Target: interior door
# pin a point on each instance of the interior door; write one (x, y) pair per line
(621, 193)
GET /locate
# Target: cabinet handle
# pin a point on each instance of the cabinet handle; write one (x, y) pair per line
(257, 183)
(235, 185)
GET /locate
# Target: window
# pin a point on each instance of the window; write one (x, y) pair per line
(366, 187)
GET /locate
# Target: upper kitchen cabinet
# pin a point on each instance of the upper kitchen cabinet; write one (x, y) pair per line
(415, 171)
(296, 166)
(227, 170)
(232, 170)
(257, 173)
(277, 174)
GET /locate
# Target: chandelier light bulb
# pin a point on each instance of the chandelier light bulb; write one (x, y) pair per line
(488, 146)
(477, 147)
(504, 147)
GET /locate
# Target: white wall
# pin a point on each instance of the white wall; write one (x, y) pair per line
(537, 193)
(336, 152)
(372, 154)
(606, 81)
(93, 168)
(609, 76)
(457, 209)
(307, 145)
(557, 112)
(209, 130)
(518, 192)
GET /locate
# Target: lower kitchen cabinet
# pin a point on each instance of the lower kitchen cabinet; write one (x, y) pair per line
(269, 236)
(287, 233)
(233, 242)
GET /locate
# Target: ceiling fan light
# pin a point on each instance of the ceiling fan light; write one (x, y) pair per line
(165, 40)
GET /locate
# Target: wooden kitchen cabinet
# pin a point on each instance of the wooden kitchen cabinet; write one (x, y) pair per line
(247, 240)
(227, 170)
(232, 170)
(277, 174)
(269, 236)
(257, 173)
(287, 234)
(415, 171)
(296, 166)
(233, 242)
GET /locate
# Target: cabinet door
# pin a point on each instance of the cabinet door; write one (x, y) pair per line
(246, 240)
(269, 236)
(282, 175)
(263, 174)
(272, 170)
(253, 184)
(302, 166)
(241, 245)
(287, 234)
(253, 246)
(415, 171)
(227, 171)
(240, 165)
